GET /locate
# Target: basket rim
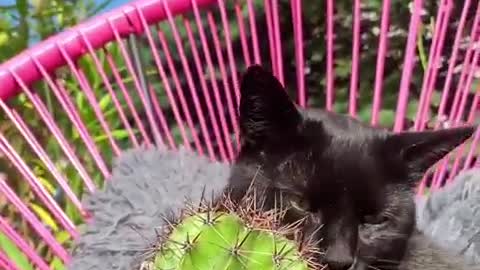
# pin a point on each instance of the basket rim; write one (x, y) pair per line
(96, 29)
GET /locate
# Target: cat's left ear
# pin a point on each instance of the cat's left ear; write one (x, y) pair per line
(267, 114)
(421, 150)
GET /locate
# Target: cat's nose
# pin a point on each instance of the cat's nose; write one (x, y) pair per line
(340, 265)
(339, 261)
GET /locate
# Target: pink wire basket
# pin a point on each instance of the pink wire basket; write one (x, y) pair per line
(166, 73)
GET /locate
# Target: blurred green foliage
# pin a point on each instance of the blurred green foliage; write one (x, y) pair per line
(29, 21)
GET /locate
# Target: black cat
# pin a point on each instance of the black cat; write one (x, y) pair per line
(354, 181)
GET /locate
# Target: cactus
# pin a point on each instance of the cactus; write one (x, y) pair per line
(228, 236)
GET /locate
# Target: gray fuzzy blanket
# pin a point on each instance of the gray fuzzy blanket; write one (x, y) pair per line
(451, 216)
(147, 184)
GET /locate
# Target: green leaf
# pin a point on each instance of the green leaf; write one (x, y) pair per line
(44, 216)
(387, 117)
(436, 98)
(412, 109)
(57, 264)
(176, 133)
(75, 134)
(100, 7)
(39, 5)
(341, 107)
(90, 71)
(50, 188)
(110, 112)
(365, 113)
(22, 7)
(62, 237)
(14, 253)
(5, 24)
(317, 56)
(475, 85)
(72, 212)
(105, 102)
(421, 48)
(343, 68)
(3, 38)
(117, 134)
(80, 100)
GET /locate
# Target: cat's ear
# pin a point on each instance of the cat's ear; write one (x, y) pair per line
(266, 111)
(421, 150)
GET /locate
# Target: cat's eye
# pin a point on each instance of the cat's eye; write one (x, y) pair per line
(374, 219)
(300, 204)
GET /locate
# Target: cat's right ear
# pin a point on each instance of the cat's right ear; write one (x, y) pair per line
(421, 150)
(266, 112)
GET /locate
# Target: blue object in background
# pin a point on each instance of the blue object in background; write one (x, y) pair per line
(113, 4)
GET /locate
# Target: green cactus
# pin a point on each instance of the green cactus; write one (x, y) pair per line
(231, 237)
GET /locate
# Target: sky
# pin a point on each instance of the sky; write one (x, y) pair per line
(113, 4)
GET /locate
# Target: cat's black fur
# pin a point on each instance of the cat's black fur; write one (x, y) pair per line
(354, 181)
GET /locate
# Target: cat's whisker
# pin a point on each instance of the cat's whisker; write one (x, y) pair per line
(373, 267)
(383, 267)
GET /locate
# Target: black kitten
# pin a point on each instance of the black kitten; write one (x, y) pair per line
(353, 180)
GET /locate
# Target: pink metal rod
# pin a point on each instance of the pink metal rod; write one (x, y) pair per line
(447, 86)
(166, 84)
(444, 12)
(204, 87)
(223, 71)
(271, 42)
(330, 59)
(35, 224)
(110, 90)
(453, 59)
(128, 99)
(441, 171)
(6, 263)
(97, 30)
(188, 73)
(37, 188)
(277, 41)
(253, 29)
(352, 108)
(408, 66)
(231, 58)
(129, 64)
(232, 63)
(213, 80)
(299, 54)
(42, 155)
(161, 117)
(243, 38)
(382, 52)
(33, 256)
(180, 93)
